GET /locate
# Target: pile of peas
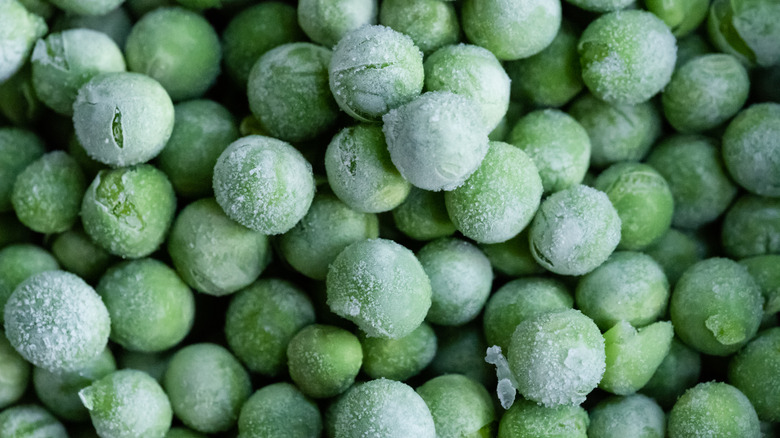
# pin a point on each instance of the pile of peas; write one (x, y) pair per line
(389, 218)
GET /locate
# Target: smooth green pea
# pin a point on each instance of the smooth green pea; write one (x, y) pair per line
(459, 406)
(526, 418)
(764, 270)
(682, 16)
(675, 251)
(755, 371)
(747, 29)
(77, 253)
(423, 215)
(461, 350)
(430, 23)
(326, 22)
(512, 258)
(713, 409)
(30, 421)
(399, 359)
(751, 149)
(20, 29)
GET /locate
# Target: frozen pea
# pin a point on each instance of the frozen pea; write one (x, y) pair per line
(460, 350)
(574, 231)
(20, 29)
(121, 129)
(375, 69)
(30, 421)
(682, 16)
(512, 29)
(213, 254)
(128, 211)
(705, 92)
(633, 355)
(751, 227)
(14, 374)
(176, 47)
(765, 269)
(678, 371)
(324, 360)
(18, 148)
(77, 253)
(19, 262)
(643, 200)
(558, 145)
(602, 6)
(262, 319)
(716, 306)
(59, 392)
(254, 31)
(755, 371)
(64, 61)
(461, 278)
(437, 140)
(629, 286)
(470, 71)
(557, 358)
(423, 215)
(151, 308)
(56, 321)
(499, 199)
(127, 404)
(521, 299)
(747, 29)
(87, 7)
(263, 184)
(693, 168)
(328, 227)
(47, 193)
(180, 432)
(512, 258)
(202, 130)
(380, 286)
(207, 387)
(459, 406)
(288, 92)
(617, 132)
(430, 23)
(18, 101)
(326, 22)
(153, 364)
(115, 24)
(751, 149)
(552, 77)
(713, 409)
(627, 57)
(279, 409)
(360, 171)
(399, 359)
(526, 418)
(630, 416)
(383, 408)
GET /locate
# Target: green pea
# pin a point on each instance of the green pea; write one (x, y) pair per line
(279, 409)
(77, 253)
(431, 24)
(755, 371)
(324, 360)
(682, 16)
(512, 258)
(326, 22)
(87, 7)
(115, 24)
(632, 415)
(747, 29)
(678, 371)
(15, 372)
(18, 148)
(19, 262)
(399, 359)
(750, 227)
(423, 215)
(154, 364)
(526, 418)
(751, 149)
(30, 421)
(459, 406)
(675, 252)
(633, 355)
(461, 350)
(764, 270)
(20, 30)
(713, 409)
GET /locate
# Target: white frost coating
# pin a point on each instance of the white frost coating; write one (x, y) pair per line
(506, 387)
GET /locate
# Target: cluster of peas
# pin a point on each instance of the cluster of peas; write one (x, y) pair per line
(611, 169)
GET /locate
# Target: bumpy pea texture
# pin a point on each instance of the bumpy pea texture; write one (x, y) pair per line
(380, 286)
(201, 131)
(20, 29)
(176, 47)
(207, 387)
(279, 409)
(47, 194)
(751, 149)
(373, 70)
(629, 286)
(56, 321)
(716, 306)
(121, 129)
(430, 23)
(526, 418)
(127, 404)
(289, 94)
(326, 22)
(30, 421)
(633, 355)
(513, 29)
(574, 231)
(324, 360)
(63, 62)
(59, 392)
(470, 71)
(423, 215)
(19, 262)
(262, 319)
(756, 372)
(212, 253)
(18, 148)
(678, 371)
(557, 358)
(263, 184)
(643, 200)
(634, 415)
(128, 211)
(360, 171)
(399, 359)
(713, 409)
(384, 408)
(558, 145)
(15, 372)
(627, 57)
(459, 405)
(751, 227)
(747, 29)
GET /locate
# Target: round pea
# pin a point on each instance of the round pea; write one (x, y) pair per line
(459, 405)
(430, 23)
(399, 359)
(751, 149)
(678, 371)
(20, 29)
(326, 22)
(18, 148)
(755, 371)
(77, 253)
(30, 421)
(15, 372)
(423, 215)
(750, 227)
(713, 409)
(632, 415)
(19, 262)
(526, 418)
(279, 409)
